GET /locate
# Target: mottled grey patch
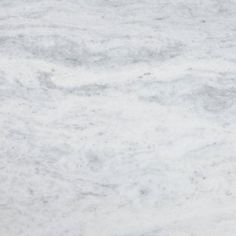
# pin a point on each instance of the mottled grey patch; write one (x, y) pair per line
(213, 95)
(88, 90)
(214, 99)
(154, 98)
(53, 48)
(144, 192)
(77, 52)
(45, 80)
(94, 161)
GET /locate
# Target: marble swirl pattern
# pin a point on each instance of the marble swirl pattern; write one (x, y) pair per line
(117, 118)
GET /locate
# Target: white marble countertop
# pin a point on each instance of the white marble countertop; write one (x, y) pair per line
(117, 118)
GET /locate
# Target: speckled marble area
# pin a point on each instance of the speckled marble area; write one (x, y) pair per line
(118, 118)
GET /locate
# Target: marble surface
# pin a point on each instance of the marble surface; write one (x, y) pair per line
(117, 118)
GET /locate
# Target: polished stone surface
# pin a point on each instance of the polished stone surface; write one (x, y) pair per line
(117, 118)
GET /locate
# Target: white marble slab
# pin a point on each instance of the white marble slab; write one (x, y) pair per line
(117, 118)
